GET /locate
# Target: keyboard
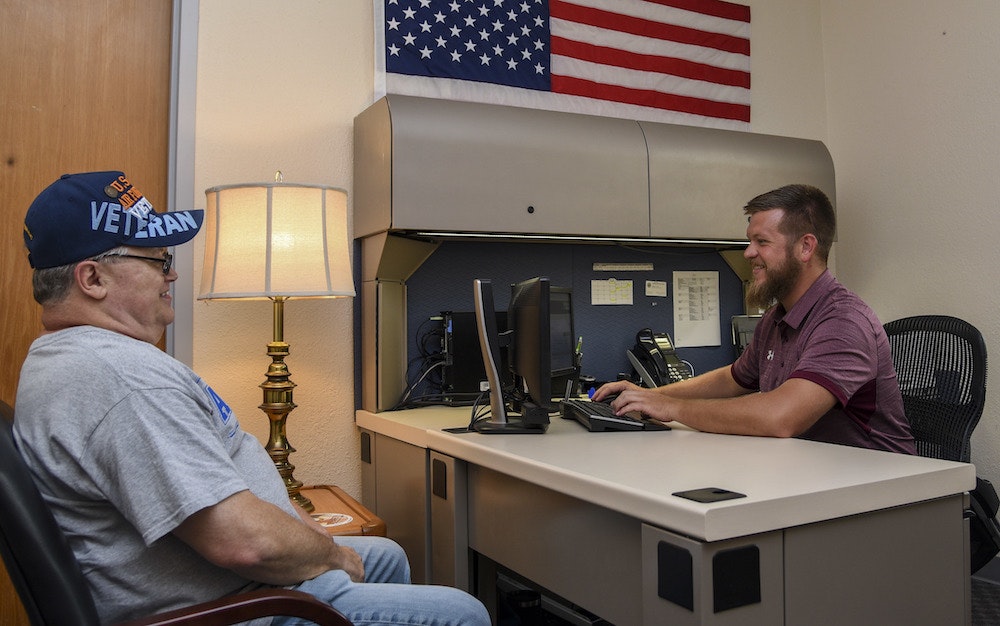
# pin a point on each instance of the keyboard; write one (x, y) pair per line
(599, 417)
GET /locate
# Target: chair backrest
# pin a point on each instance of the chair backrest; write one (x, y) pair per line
(38, 558)
(941, 365)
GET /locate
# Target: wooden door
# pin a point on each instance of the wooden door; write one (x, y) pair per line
(84, 86)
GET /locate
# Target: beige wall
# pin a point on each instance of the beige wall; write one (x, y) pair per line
(905, 100)
(278, 87)
(913, 100)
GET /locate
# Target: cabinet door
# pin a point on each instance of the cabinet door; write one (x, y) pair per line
(460, 166)
(700, 178)
(401, 499)
(449, 535)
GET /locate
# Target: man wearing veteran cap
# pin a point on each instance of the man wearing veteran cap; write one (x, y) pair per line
(165, 500)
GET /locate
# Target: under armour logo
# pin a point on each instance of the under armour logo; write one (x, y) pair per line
(770, 355)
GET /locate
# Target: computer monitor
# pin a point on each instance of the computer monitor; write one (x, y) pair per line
(743, 328)
(489, 344)
(541, 347)
(565, 360)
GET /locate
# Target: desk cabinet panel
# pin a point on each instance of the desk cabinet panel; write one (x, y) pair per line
(394, 486)
(449, 561)
(572, 548)
(737, 582)
(847, 571)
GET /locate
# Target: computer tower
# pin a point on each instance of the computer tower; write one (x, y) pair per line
(463, 369)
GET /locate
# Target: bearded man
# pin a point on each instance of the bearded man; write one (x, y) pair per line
(819, 365)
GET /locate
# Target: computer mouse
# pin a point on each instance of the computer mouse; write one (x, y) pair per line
(593, 390)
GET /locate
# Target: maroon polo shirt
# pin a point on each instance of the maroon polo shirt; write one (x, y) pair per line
(832, 338)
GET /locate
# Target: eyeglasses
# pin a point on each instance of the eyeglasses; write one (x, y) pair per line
(166, 260)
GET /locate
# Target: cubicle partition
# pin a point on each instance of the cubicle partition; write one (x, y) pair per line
(444, 283)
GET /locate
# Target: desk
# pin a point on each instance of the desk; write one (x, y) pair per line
(825, 534)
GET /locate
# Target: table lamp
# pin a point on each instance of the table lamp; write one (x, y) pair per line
(277, 241)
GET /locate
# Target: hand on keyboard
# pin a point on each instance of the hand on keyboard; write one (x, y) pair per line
(598, 417)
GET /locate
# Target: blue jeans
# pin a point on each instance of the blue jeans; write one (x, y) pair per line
(386, 596)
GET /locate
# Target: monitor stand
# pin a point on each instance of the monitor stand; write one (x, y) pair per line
(533, 420)
(510, 427)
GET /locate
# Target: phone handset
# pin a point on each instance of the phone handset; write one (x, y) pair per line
(655, 360)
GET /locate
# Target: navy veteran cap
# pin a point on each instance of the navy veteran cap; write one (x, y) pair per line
(83, 215)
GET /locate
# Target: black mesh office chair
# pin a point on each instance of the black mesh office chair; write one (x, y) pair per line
(941, 365)
(51, 586)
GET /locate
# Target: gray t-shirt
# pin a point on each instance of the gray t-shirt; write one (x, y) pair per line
(125, 442)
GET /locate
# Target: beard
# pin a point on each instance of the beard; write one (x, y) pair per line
(777, 282)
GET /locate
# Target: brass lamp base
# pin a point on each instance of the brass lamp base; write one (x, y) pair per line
(278, 404)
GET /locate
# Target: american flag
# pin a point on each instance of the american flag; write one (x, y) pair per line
(681, 61)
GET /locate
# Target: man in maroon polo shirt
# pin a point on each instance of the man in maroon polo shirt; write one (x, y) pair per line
(819, 357)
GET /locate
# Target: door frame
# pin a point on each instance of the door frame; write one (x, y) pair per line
(181, 168)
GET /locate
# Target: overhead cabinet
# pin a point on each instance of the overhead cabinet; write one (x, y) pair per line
(425, 165)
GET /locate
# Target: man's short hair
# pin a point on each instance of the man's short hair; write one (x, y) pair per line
(51, 284)
(807, 210)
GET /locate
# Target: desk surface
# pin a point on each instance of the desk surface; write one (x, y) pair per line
(787, 482)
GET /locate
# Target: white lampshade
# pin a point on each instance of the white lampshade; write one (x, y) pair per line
(276, 239)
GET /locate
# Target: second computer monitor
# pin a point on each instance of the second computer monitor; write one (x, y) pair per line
(543, 345)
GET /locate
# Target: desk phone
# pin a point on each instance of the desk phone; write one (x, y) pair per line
(655, 361)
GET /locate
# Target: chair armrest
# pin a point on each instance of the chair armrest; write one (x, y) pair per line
(246, 606)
